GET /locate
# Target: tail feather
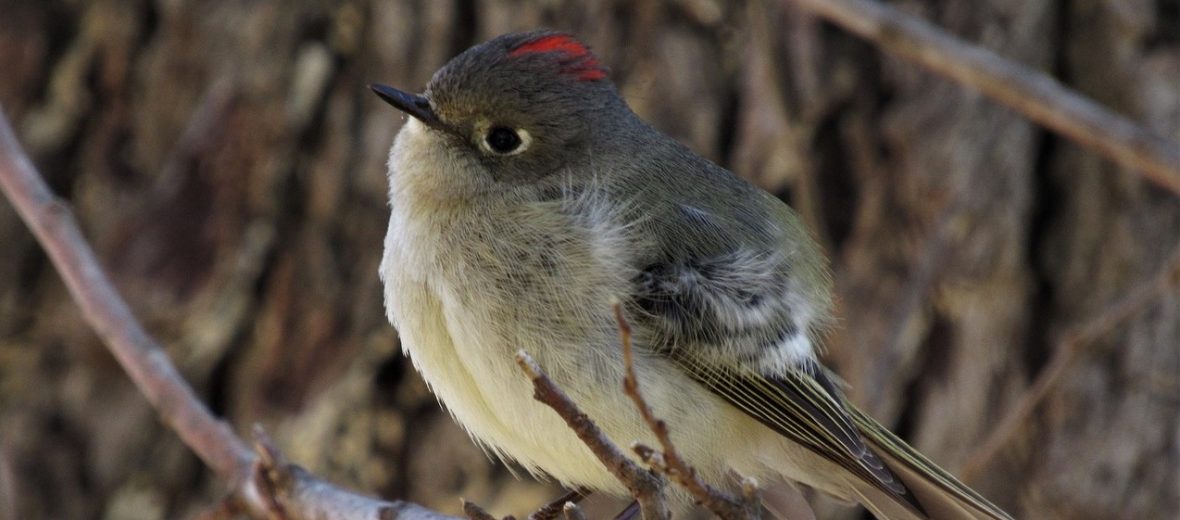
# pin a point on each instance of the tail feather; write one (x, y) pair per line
(883, 505)
(804, 406)
(940, 494)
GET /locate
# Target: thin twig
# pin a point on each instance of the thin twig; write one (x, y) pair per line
(555, 508)
(1031, 92)
(645, 486)
(670, 462)
(474, 512)
(301, 495)
(1068, 352)
(269, 473)
(571, 511)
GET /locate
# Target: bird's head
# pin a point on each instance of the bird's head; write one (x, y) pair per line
(511, 112)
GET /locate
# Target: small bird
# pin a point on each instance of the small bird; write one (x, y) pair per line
(526, 198)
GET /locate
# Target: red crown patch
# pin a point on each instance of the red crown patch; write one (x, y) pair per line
(576, 59)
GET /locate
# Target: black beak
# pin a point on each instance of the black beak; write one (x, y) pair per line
(412, 104)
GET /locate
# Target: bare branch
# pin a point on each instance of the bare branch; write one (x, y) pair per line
(1072, 347)
(557, 507)
(295, 492)
(474, 512)
(571, 511)
(669, 462)
(302, 496)
(1029, 91)
(644, 486)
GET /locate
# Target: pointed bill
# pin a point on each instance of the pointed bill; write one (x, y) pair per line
(416, 105)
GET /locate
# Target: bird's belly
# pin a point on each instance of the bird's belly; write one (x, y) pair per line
(476, 377)
(474, 373)
(462, 325)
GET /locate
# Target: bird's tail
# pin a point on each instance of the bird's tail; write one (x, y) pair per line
(940, 495)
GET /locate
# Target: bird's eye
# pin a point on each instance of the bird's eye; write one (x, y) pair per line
(503, 140)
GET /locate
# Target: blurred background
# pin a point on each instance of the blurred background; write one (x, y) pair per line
(227, 162)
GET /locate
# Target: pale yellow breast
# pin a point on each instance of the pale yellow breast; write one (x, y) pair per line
(466, 298)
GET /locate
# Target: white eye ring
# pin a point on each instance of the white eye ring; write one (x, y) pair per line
(503, 140)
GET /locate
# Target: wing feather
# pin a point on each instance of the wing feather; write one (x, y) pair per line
(739, 318)
(907, 460)
(798, 405)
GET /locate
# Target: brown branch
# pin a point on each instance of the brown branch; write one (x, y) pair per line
(474, 512)
(571, 511)
(556, 508)
(268, 472)
(302, 496)
(1031, 92)
(669, 462)
(645, 486)
(299, 494)
(1069, 350)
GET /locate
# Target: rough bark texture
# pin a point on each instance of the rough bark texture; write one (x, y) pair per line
(227, 162)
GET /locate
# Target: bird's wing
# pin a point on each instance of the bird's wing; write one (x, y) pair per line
(801, 407)
(738, 316)
(737, 323)
(739, 319)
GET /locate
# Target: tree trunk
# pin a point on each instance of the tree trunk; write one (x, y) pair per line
(228, 164)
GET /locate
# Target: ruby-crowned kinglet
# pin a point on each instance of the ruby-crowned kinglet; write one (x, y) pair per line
(527, 197)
